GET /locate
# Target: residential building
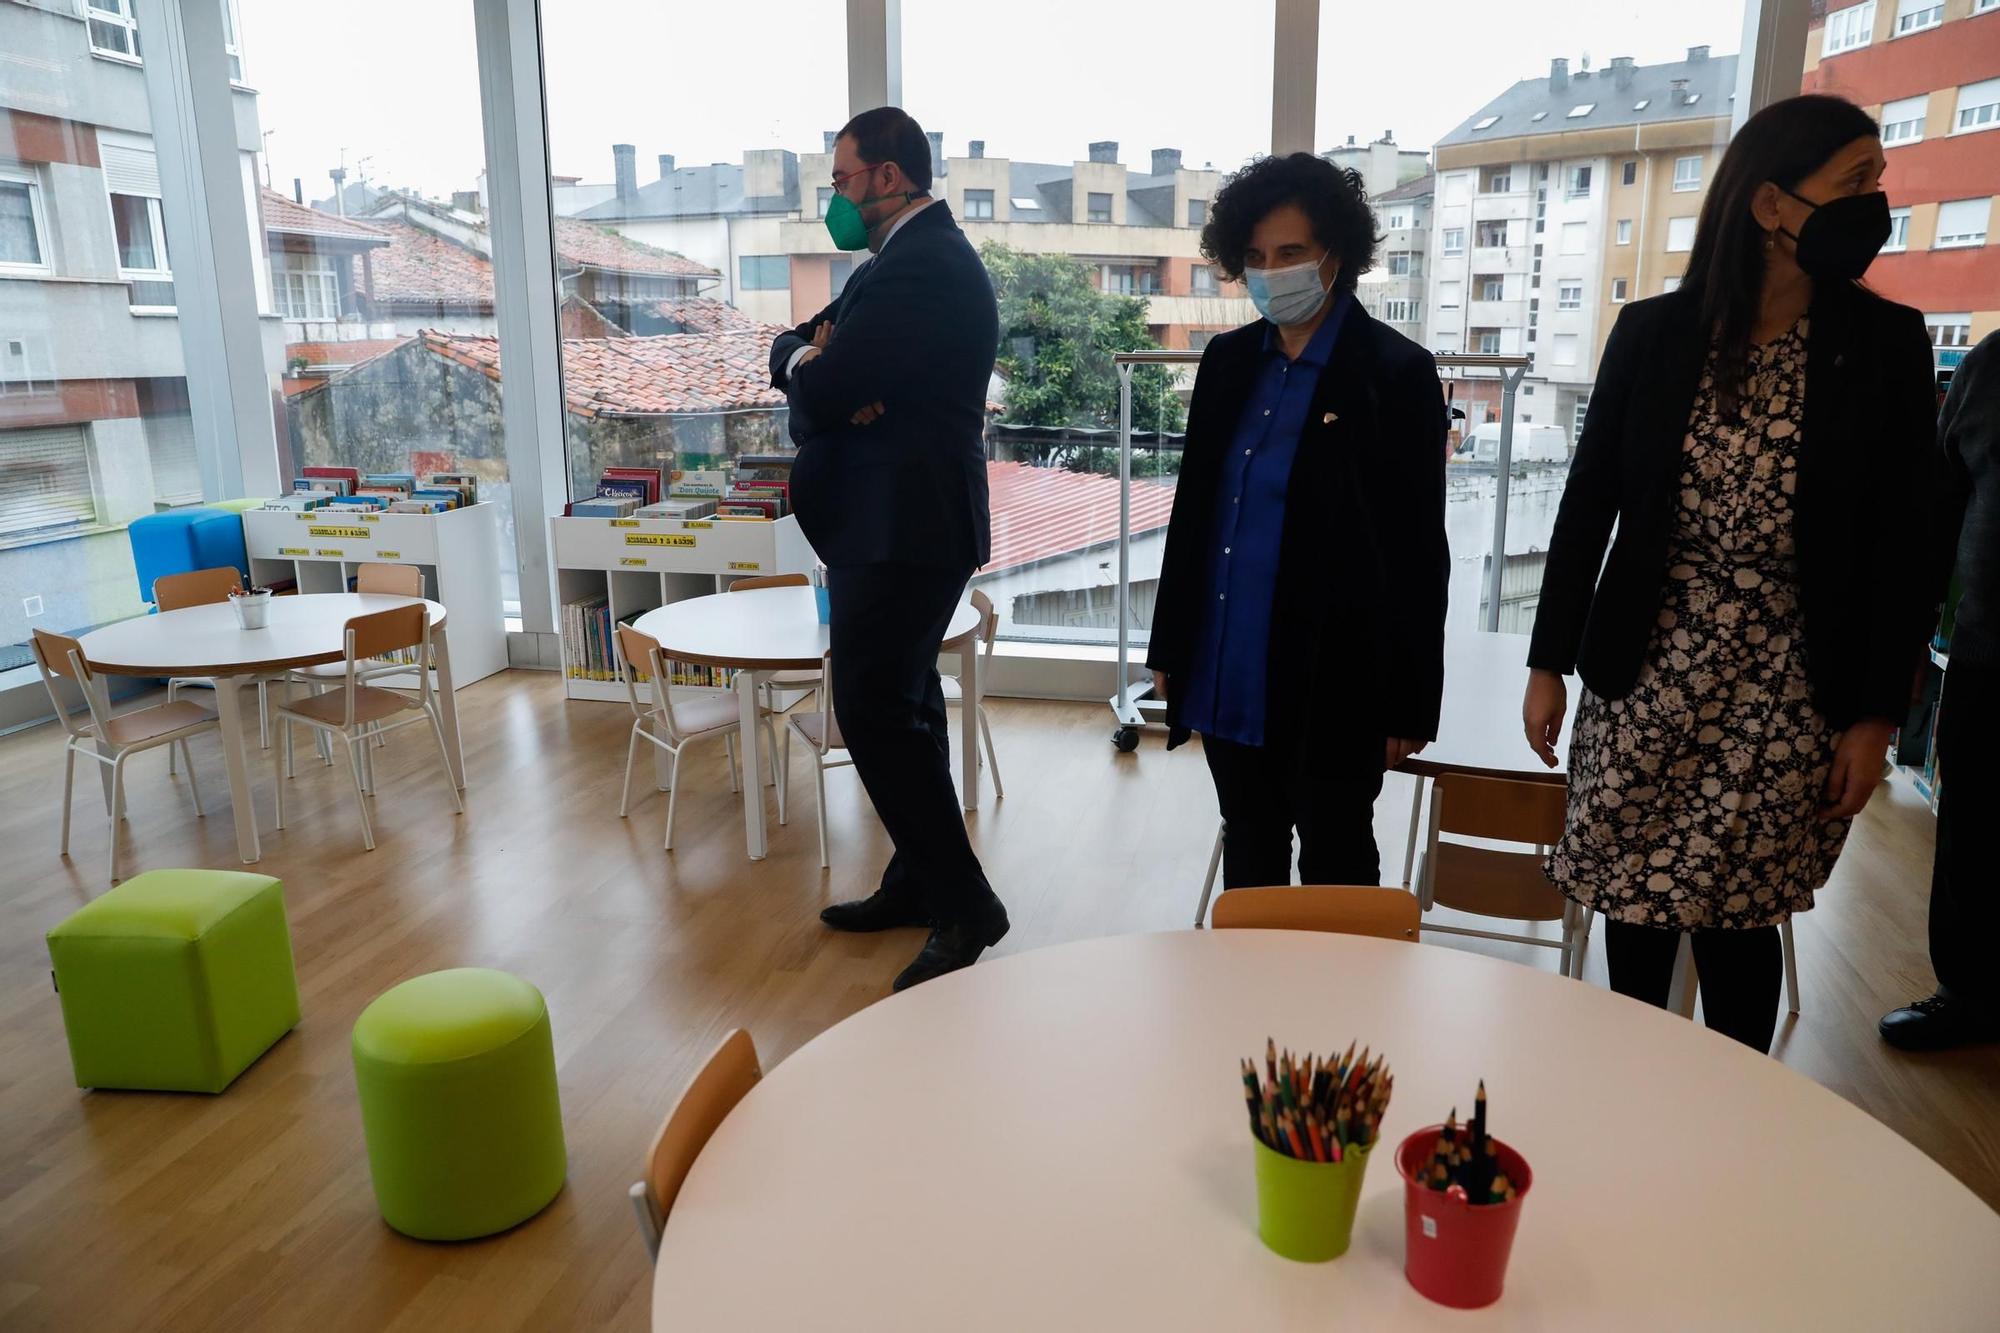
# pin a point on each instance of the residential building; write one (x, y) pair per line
(1383, 164)
(1557, 202)
(1930, 73)
(95, 426)
(759, 223)
(1394, 290)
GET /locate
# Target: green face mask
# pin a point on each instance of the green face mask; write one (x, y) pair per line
(844, 221)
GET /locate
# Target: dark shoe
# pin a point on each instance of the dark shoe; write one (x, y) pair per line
(951, 947)
(880, 910)
(1937, 1023)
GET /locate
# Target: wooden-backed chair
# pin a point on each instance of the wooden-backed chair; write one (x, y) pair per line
(1389, 914)
(674, 725)
(777, 683)
(111, 738)
(206, 587)
(355, 712)
(1492, 882)
(722, 1081)
(956, 690)
(387, 580)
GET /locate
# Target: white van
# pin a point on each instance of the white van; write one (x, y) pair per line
(1532, 444)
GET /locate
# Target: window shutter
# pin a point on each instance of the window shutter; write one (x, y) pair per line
(129, 170)
(44, 480)
(170, 441)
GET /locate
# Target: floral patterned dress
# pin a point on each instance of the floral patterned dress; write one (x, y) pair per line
(1693, 801)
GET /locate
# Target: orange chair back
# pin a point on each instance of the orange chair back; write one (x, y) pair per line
(1389, 914)
(770, 581)
(721, 1082)
(382, 632)
(53, 651)
(1501, 809)
(197, 587)
(392, 580)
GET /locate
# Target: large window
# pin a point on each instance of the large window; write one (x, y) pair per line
(766, 273)
(1569, 296)
(24, 244)
(1962, 222)
(1917, 15)
(1687, 173)
(1978, 107)
(1899, 230)
(1099, 207)
(979, 205)
(1454, 241)
(1849, 28)
(305, 286)
(1949, 331)
(114, 31)
(1903, 120)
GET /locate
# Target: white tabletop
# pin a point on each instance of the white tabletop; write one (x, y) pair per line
(303, 630)
(1056, 1139)
(1479, 726)
(764, 629)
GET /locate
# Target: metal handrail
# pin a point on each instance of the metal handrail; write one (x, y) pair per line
(1513, 367)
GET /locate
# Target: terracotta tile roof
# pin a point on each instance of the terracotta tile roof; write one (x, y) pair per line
(704, 314)
(665, 374)
(341, 353)
(1043, 512)
(284, 216)
(581, 242)
(420, 268)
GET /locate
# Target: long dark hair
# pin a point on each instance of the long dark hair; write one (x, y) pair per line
(1784, 143)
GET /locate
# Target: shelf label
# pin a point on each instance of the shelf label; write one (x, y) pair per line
(745, 564)
(623, 522)
(700, 523)
(633, 561)
(657, 539)
(337, 532)
(388, 555)
(293, 550)
(370, 518)
(333, 551)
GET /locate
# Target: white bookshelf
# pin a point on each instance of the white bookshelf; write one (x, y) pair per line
(456, 550)
(642, 563)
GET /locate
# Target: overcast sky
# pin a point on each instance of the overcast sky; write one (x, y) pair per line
(396, 82)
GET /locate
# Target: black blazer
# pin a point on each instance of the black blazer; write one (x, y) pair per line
(1864, 475)
(1363, 565)
(916, 329)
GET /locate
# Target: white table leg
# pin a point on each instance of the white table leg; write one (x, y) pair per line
(229, 711)
(968, 719)
(753, 789)
(448, 709)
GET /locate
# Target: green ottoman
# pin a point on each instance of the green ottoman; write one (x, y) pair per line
(457, 1074)
(176, 980)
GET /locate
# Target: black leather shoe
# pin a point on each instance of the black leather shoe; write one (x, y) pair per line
(880, 910)
(1937, 1023)
(951, 947)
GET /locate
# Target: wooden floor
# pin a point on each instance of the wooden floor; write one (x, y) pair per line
(252, 1210)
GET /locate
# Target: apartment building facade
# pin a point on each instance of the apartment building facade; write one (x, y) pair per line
(95, 428)
(1556, 203)
(1929, 72)
(759, 224)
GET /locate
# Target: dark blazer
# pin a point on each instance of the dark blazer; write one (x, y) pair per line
(1864, 475)
(1363, 565)
(915, 329)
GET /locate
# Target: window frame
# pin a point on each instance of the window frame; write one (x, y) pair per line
(1577, 185)
(287, 265)
(743, 271)
(156, 223)
(1692, 224)
(1408, 260)
(971, 212)
(1899, 231)
(1935, 325)
(1684, 183)
(1902, 28)
(1492, 287)
(1457, 297)
(1622, 232)
(1091, 211)
(24, 174)
(1444, 241)
(1197, 212)
(1963, 240)
(1620, 290)
(1629, 172)
(823, 199)
(1922, 102)
(122, 18)
(1564, 301)
(1856, 31)
(1489, 341)
(1986, 88)
(1203, 280)
(232, 42)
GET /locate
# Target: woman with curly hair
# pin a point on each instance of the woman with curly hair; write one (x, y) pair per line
(1299, 626)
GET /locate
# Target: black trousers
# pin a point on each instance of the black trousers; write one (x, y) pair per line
(1265, 792)
(888, 621)
(1965, 887)
(1741, 972)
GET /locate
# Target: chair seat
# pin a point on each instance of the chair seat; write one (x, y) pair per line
(145, 724)
(812, 728)
(1509, 885)
(954, 691)
(336, 671)
(793, 680)
(370, 705)
(706, 714)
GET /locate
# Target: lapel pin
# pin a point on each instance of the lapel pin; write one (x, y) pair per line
(1329, 418)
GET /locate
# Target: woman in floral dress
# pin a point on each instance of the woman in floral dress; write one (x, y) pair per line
(1759, 437)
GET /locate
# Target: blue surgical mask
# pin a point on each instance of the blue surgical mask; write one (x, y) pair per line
(1289, 295)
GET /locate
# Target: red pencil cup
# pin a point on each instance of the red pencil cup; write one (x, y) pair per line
(1455, 1252)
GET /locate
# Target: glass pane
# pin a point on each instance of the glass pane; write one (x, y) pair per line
(95, 430)
(1531, 217)
(1098, 198)
(376, 238)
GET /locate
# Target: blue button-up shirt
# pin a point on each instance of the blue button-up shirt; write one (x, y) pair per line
(1224, 692)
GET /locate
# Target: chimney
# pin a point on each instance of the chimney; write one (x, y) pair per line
(1388, 136)
(298, 191)
(625, 161)
(466, 201)
(1621, 71)
(937, 151)
(1166, 161)
(1104, 150)
(1350, 141)
(1558, 74)
(666, 166)
(1679, 94)
(827, 138)
(975, 148)
(1696, 54)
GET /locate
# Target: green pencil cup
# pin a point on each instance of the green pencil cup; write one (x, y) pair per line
(1305, 1210)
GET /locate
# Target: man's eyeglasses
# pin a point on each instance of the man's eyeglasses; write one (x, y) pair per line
(840, 180)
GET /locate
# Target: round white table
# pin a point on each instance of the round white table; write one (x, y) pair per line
(777, 629)
(303, 630)
(1056, 1139)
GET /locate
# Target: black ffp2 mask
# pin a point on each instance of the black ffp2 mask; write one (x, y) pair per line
(1841, 237)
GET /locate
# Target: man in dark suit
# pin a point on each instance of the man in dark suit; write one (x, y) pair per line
(888, 405)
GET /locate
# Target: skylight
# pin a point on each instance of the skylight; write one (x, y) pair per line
(1583, 109)
(1019, 202)
(1693, 98)
(1539, 115)
(1485, 122)
(1642, 104)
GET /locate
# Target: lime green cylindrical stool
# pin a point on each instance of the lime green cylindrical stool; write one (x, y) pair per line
(457, 1076)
